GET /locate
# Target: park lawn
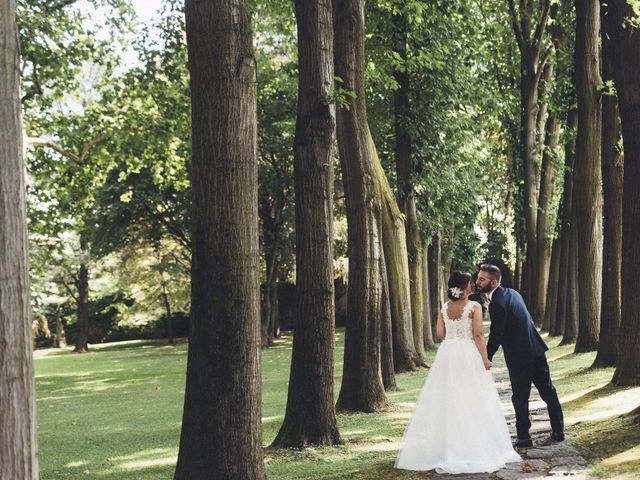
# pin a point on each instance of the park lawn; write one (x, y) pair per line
(115, 414)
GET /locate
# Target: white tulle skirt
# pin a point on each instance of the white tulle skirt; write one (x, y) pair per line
(458, 425)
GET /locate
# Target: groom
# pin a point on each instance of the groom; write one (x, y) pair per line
(524, 352)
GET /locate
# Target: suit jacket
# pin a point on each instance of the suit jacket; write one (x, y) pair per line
(513, 328)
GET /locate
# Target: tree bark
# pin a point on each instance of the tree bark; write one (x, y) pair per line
(588, 174)
(18, 444)
(60, 338)
(435, 279)
(310, 417)
(612, 179)
(361, 388)
(167, 309)
(625, 39)
(221, 426)
(386, 335)
(550, 317)
(546, 213)
(567, 276)
(82, 303)
(404, 171)
(426, 295)
(269, 308)
(406, 356)
(572, 305)
(532, 61)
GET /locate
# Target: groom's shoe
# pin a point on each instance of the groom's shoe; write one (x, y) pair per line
(551, 439)
(523, 443)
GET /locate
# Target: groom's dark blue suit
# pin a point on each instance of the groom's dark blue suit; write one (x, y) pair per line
(524, 352)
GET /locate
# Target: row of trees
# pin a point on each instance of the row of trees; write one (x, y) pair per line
(563, 277)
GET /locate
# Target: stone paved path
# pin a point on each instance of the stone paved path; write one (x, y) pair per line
(555, 462)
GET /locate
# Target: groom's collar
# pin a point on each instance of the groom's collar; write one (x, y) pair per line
(490, 294)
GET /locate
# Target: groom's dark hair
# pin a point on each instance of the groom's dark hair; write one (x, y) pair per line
(493, 271)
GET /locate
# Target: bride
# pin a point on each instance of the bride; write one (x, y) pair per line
(458, 425)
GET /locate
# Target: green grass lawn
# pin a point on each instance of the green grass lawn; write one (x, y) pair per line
(115, 414)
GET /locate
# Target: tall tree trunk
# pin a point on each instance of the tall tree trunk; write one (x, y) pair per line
(60, 338)
(446, 256)
(406, 355)
(269, 308)
(545, 214)
(18, 447)
(545, 88)
(435, 279)
(612, 178)
(274, 319)
(310, 417)
(361, 388)
(386, 335)
(82, 303)
(221, 428)
(404, 171)
(588, 173)
(625, 39)
(550, 317)
(566, 216)
(532, 61)
(572, 306)
(167, 309)
(426, 296)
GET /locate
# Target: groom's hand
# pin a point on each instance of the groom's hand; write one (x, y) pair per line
(487, 364)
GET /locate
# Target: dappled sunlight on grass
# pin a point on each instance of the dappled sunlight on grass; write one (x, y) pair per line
(116, 413)
(603, 402)
(612, 445)
(631, 455)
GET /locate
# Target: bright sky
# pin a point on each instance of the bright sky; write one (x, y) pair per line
(146, 9)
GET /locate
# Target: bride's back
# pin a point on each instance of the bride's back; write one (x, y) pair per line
(457, 316)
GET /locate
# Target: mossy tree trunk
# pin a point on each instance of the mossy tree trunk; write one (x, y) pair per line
(361, 388)
(404, 171)
(386, 335)
(406, 356)
(434, 262)
(427, 336)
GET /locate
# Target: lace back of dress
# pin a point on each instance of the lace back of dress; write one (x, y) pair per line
(458, 327)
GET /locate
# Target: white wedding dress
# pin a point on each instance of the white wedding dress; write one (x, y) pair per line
(458, 425)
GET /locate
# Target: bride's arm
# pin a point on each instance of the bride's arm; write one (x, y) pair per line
(478, 335)
(440, 330)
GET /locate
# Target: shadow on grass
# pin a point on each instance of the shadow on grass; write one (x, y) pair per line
(611, 445)
(139, 344)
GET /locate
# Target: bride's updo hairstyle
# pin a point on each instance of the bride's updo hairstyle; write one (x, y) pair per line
(458, 282)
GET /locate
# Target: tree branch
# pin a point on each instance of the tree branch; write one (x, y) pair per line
(71, 294)
(84, 151)
(540, 29)
(46, 142)
(514, 21)
(543, 61)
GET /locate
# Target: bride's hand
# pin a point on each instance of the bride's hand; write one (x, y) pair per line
(487, 364)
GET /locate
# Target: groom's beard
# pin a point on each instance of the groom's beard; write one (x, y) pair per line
(486, 289)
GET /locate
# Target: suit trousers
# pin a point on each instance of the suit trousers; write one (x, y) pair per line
(522, 376)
